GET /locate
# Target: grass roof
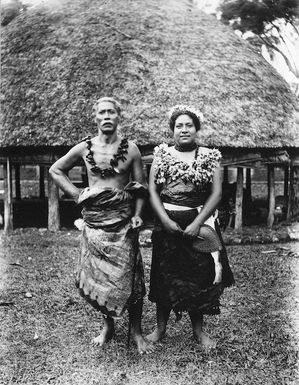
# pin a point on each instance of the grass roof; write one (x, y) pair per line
(57, 60)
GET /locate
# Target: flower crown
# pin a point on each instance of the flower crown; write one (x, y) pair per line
(185, 108)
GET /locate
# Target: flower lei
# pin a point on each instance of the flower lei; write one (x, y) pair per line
(166, 166)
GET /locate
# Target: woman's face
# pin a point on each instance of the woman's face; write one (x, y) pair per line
(184, 132)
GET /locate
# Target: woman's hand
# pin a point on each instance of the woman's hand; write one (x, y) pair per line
(171, 227)
(136, 222)
(192, 230)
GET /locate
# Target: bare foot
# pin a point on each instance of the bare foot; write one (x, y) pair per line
(105, 336)
(218, 273)
(156, 335)
(143, 346)
(204, 339)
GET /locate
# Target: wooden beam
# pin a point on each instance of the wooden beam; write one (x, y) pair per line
(8, 208)
(53, 205)
(17, 182)
(239, 199)
(47, 158)
(271, 195)
(41, 182)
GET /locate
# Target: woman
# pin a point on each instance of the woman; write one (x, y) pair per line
(185, 189)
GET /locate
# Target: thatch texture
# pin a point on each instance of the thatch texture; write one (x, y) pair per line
(150, 55)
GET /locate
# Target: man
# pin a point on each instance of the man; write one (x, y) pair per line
(110, 262)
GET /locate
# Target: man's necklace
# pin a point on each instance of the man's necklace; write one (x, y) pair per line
(112, 170)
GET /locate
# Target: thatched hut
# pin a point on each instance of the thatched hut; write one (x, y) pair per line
(58, 58)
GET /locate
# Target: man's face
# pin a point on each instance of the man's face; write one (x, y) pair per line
(107, 117)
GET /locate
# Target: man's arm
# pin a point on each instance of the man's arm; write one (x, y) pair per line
(60, 168)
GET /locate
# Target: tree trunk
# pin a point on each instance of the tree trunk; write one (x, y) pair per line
(53, 205)
(8, 208)
(271, 194)
(239, 199)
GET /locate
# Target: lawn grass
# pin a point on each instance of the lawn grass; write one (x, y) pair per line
(45, 339)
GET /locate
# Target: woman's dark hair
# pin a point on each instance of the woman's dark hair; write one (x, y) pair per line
(178, 113)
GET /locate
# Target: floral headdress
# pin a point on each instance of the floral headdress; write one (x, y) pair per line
(181, 108)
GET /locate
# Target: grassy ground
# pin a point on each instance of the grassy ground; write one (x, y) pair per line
(46, 327)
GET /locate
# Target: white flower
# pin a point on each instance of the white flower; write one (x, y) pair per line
(183, 107)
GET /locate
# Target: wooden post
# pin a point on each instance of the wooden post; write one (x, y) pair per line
(286, 181)
(17, 182)
(53, 205)
(248, 185)
(239, 199)
(271, 195)
(291, 192)
(41, 182)
(225, 174)
(8, 208)
(286, 189)
(296, 190)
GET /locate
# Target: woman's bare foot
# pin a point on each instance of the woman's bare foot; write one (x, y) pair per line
(218, 273)
(143, 346)
(105, 336)
(204, 339)
(156, 335)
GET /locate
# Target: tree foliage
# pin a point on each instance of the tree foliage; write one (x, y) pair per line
(256, 15)
(11, 9)
(267, 21)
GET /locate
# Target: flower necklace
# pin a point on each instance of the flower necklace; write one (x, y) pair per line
(112, 170)
(169, 168)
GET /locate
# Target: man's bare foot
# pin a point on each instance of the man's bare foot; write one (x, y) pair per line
(105, 336)
(218, 273)
(156, 335)
(204, 339)
(143, 346)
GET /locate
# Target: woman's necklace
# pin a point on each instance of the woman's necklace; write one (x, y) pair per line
(112, 170)
(185, 148)
(189, 148)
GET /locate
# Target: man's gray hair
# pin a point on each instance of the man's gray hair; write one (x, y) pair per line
(116, 104)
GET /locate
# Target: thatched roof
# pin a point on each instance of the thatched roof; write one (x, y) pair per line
(149, 54)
